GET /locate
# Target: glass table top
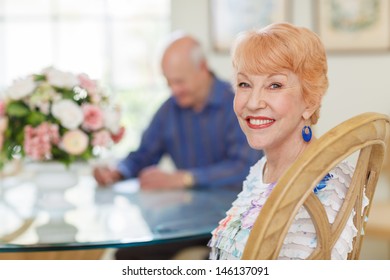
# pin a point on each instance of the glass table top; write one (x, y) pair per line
(87, 216)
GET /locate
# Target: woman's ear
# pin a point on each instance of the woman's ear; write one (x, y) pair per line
(309, 111)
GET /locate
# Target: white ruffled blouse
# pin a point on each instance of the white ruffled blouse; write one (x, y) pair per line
(229, 238)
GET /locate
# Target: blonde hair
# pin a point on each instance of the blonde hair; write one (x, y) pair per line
(283, 46)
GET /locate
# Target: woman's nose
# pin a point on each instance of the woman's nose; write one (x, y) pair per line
(257, 100)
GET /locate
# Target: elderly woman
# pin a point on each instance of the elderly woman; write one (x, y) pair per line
(280, 77)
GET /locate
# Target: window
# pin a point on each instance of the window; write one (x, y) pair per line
(114, 41)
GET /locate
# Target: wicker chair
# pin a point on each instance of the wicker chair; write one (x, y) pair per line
(366, 134)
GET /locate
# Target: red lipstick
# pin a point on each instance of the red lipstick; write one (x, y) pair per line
(259, 122)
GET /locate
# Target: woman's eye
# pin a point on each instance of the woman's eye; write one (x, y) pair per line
(243, 85)
(275, 86)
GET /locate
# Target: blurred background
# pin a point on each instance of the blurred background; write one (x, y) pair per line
(118, 42)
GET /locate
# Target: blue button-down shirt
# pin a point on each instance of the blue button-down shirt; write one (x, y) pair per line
(210, 144)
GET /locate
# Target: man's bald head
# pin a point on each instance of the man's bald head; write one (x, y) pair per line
(183, 49)
(184, 66)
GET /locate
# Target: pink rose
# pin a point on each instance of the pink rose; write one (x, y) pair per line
(91, 86)
(87, 83)
(93, 117)
(101, 138)
(74, 142)
(118, 136)
(2, 108)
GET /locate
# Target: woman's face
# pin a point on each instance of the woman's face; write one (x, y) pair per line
(270, 109)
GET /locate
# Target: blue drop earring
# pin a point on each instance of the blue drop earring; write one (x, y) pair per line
(306, 133)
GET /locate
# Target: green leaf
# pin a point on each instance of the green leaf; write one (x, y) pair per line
(17, 109)
(66, 93)
(36, 118)
(39, 77)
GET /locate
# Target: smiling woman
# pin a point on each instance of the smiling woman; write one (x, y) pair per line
(280, 77)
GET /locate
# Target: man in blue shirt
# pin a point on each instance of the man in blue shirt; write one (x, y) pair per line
(196, 127)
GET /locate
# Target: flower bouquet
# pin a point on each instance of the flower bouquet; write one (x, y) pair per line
(57, 116)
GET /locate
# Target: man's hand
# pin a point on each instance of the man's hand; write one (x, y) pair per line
(105, 175)
(154, 178)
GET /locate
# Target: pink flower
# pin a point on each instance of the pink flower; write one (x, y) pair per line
(74, 142)
(60, 110)
(37, 144)
(3, 124)
(93, 117)
(91, 86)
(2, 108)
(101, 138)
(52, 131)
(87, 83)
(118, 136)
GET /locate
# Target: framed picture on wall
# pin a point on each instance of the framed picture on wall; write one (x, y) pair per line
(353, 25)
(230, 17)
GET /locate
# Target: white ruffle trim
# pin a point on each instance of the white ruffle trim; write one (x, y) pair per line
(229, 238)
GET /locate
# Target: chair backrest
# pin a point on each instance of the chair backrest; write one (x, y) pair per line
(366, 134)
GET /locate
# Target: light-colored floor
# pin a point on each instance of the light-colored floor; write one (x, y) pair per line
(375, 249)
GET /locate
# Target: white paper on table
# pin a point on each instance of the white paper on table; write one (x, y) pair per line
(126, 186)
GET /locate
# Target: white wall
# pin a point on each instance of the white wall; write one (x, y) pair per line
(358, 82)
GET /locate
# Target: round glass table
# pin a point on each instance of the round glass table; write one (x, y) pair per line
(86, 216)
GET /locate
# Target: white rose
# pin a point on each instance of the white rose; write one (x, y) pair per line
(21, 88)
(61, 79)
(112, 118)
(68, 113)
